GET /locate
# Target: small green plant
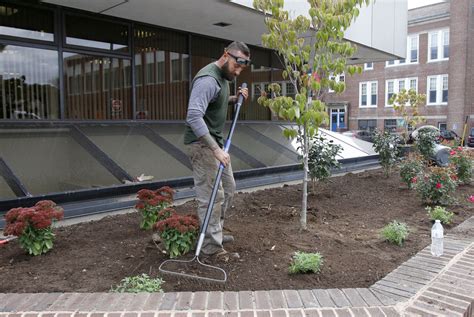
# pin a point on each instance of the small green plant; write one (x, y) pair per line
(385, 144)
(322, 158)
(437, 185)
(410, 169)
(440, 213)
(462, 164)
(152, 203)
(395, 232)
(304, 262)
(178, 233)
(139, 284)
(426, 142)
(33, 225)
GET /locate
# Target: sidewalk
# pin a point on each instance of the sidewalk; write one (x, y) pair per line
(422, 286)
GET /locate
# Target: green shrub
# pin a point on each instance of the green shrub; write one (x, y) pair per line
(322, 158)
(139, 284)
(409, 171)
(395, 232)
(385, 144)
(306, 262)
(425, 142)
(440, 213)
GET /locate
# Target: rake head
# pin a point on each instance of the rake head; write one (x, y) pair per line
(194, 269)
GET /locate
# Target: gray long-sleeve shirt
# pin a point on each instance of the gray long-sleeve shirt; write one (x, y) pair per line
(205, 90)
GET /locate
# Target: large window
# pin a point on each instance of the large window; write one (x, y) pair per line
(437, 90)
(28, 83)
(25, 22)
(438, 45)
(96, 87)
(394, 86)
(412, 53)
(390, 125)
(161, 74)
(368, 125)
(96, 33)
(368, 94)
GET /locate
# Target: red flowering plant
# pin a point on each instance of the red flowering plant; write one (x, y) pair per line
(410, 169)
(33, 225)
(437, 185)
(179, 233)
(462, 163)
(152, 203)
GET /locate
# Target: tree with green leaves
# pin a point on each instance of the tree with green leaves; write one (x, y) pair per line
(406, 104)
(311, 51)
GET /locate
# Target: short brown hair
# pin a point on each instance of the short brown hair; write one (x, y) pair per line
(238, 46)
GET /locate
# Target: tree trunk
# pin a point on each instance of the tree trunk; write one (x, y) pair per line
(304, 203)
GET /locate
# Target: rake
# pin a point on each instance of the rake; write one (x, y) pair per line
(214, 270)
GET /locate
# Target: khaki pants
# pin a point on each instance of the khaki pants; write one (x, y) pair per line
(205, 167)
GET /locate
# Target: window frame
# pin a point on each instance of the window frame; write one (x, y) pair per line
(396, 87)
(440, 34)
(369, 94)
(408, 53)
(439, 90)
(369, 68)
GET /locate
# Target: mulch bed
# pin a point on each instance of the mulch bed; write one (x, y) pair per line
(345, 216)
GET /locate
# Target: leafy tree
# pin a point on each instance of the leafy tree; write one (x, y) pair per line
(311, 50)
(406, 104)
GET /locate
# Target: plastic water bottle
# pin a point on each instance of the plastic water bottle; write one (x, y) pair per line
(437, 239)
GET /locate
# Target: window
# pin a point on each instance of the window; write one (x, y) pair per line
(390, 125)
(394, 86)
(437, 90)
(24, 22)
(366, 100)
(179, 67)
(438, 45)
(96, 33)
(368, 125)
(338, 79)
(411, 54)
(369, 66)
(442, 126)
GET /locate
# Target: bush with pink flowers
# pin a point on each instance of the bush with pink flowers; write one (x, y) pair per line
(153, 205)
(33, 225)
(437, 185)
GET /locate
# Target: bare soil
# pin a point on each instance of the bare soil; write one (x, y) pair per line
(345, 216)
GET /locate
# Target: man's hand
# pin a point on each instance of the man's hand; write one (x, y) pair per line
(221, 156)
(244, 92)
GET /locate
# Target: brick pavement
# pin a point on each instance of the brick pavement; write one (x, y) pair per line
(422, 286)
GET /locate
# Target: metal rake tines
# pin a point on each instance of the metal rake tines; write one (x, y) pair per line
(194, 269)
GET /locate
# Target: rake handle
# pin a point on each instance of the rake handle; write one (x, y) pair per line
(205, 224)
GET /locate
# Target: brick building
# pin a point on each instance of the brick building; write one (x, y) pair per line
(439, 63)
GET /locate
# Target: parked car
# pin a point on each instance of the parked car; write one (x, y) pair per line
(360, 134)
(470, 138)
(449, 135)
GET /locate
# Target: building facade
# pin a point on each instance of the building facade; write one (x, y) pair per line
(439, 63)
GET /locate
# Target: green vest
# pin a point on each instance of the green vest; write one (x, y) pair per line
(216, 112)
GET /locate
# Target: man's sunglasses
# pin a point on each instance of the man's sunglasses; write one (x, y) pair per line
(240, 60)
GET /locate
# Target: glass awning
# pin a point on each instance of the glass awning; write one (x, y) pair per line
(44, 158)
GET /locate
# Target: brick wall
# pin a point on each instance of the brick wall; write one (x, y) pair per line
(459, 67)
